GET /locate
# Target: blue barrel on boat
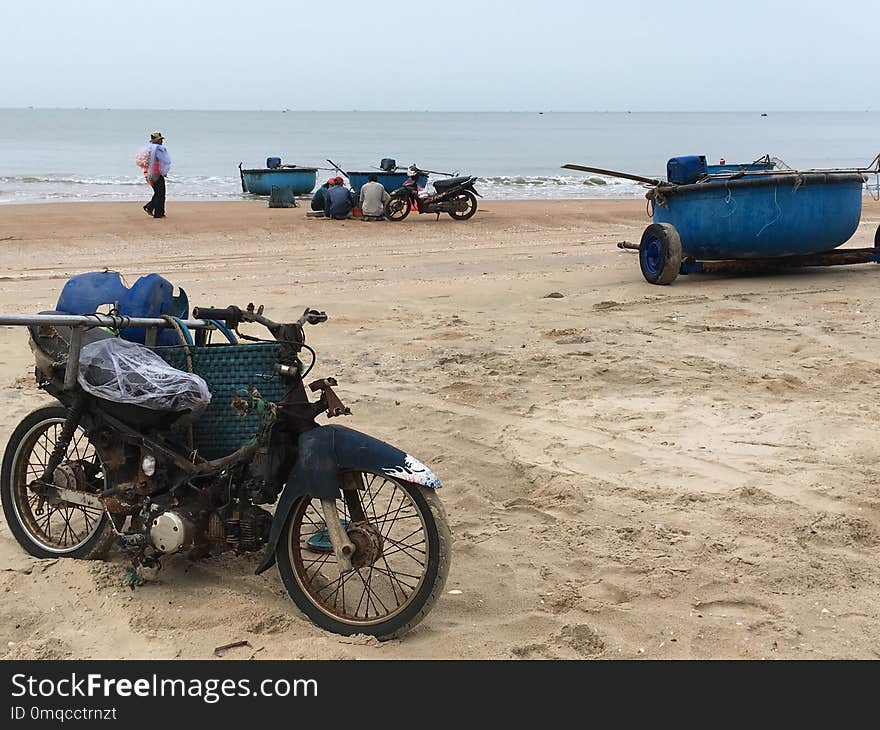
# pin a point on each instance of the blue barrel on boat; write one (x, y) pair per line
(273, 162)
(684, 170)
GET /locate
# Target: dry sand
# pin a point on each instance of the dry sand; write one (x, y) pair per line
(630, 471)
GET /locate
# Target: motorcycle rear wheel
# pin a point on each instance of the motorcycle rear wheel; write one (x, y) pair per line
(468, 212)
(396, 585)
(42, 529)
(397, 208)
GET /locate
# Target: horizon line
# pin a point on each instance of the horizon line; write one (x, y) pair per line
(445, 111)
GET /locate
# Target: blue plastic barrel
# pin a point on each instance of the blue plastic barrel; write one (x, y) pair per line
(686, 170)
(150, 296)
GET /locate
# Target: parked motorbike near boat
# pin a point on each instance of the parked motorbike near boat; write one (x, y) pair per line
(358, 531)
(456, 196)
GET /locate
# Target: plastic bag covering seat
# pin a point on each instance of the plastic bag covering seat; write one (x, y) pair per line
(149, 296)
(125, 372)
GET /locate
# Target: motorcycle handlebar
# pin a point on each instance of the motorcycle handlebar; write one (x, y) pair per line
(230, 315)
(233, 316)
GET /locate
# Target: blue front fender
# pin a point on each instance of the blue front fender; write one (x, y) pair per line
(323, 453)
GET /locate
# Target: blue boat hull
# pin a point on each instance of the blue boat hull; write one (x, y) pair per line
(300, 180)
(764, 217)
(391, 181)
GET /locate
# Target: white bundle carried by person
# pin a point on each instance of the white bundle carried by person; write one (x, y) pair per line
(142, 158)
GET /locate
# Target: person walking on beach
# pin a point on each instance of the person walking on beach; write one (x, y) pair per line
(339, 201)
(373, 198)
(158, 165)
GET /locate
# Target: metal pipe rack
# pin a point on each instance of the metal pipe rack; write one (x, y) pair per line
(80, 322)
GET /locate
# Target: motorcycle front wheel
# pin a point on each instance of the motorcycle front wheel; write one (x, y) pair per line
(465, 206)
(397, 208)
(401, 559)
(44, 528)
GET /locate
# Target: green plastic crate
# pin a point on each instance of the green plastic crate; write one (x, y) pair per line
(220, 430)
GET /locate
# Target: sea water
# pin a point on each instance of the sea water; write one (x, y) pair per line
(51, 155)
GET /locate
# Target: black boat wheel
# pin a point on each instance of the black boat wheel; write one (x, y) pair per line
(660, 253)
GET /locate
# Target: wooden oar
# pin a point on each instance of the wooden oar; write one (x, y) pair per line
(241, 175)
(613, 173)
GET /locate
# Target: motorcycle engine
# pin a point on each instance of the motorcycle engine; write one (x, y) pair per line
(172, 531)
(243, 531)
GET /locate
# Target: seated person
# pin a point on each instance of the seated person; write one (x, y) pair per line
(373, 198)
(320, 197)
(339, 201)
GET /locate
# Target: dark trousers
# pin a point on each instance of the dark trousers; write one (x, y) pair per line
(156, 206)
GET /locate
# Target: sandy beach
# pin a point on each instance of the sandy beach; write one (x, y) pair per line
(629, 471)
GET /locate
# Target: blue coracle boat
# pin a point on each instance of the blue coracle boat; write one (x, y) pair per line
(739, 217)
(391, 181)
(745, 212)
(299, 180)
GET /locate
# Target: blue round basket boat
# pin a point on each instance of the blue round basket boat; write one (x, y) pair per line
(739, 217)
(762, 217)
(391, 181)
(782, 217)
(299, 180)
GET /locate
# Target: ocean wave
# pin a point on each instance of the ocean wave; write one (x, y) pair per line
(34, 188)
(119, 180)
(548, 187)
(550, 180)
(61, 180)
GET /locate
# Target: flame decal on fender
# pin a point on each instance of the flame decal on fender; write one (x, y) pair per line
(414, 471)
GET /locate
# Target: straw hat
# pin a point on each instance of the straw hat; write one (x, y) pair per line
(156, 137)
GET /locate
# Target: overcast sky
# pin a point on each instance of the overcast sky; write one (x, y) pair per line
(563, 55)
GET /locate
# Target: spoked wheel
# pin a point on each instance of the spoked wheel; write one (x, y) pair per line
(44, 527)
(465, 206)
(397, 208)
(401, 558)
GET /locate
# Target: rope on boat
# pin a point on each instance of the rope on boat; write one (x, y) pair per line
(778, 213)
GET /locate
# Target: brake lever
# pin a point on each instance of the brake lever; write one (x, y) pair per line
(335, 407)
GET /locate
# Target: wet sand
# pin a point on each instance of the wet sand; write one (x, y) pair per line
(630, 471)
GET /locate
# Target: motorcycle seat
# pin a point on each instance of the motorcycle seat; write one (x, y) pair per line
(450, 182)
